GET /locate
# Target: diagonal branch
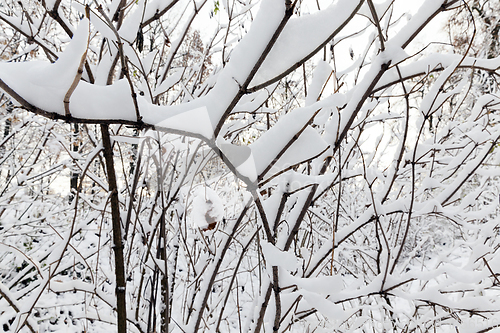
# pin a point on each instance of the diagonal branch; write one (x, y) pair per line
(260, 61)
(377, 23)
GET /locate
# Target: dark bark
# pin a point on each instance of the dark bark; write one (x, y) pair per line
(121, 308)
(74, 147)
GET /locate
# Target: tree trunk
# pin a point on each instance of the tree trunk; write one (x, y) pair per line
(121, 308)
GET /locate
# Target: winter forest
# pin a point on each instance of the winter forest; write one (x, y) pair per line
(249, 166)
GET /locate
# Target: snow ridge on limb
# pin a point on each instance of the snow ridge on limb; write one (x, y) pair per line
(43, 85)
(79, 72)
(301, 39)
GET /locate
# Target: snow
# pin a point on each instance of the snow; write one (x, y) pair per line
(101, 71)
(321, 285)
(277, 257)
(241, 157)
(321, 73)
(154, 6)
(130, 26)
(380, 8)
(108, 102)
(283, 132)
(98, 22)
(253, 101)
(207, 207)
(44, 84)
(301, 36)
(169, 81)
(424, 12)
(309, 145)
(334, 312)
(197, 121)
(429, 100)
(435, 62)
(451, 199)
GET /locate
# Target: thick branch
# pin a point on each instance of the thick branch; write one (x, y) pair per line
(121, 307)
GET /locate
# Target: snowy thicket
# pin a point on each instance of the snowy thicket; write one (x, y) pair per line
(248, 166)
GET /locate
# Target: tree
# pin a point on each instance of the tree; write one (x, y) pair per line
(265, 178)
